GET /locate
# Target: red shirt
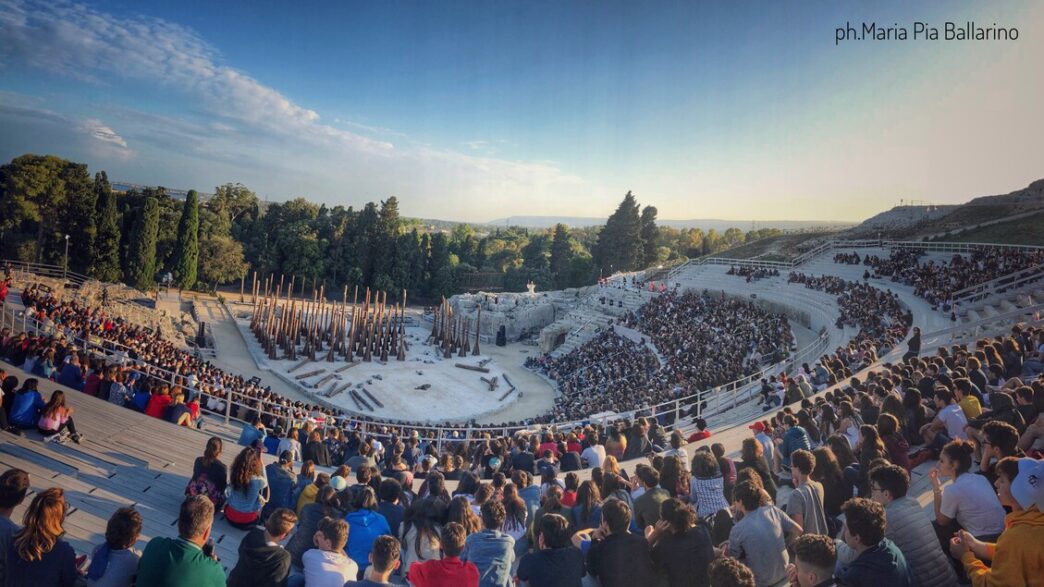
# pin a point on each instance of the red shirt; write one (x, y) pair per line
(448, 571)
(699, 435)
(569, 498)
(157, 405)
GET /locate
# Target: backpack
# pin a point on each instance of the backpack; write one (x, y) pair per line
(201, 485)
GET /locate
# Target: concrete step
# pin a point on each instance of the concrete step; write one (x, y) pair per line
(1006, 306)
(989, 311)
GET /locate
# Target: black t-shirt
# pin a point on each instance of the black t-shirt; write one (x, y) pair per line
(685, 557)
(621, 560)
(561, 567)
(523, 461)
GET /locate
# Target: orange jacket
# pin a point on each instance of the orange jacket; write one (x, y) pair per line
(1018, 558)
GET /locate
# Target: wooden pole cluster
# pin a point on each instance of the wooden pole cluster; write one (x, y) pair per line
(451, 331)
(317, 329)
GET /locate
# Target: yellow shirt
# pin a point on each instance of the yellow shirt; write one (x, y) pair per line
(971, 406)
(1018, 558)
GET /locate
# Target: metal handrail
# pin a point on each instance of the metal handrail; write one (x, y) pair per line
(998, 285)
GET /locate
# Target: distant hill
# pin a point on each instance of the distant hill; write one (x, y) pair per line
(705, 224)
(938, 221)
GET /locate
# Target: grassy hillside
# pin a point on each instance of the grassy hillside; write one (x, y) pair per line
(777, 248)
(1028, 230)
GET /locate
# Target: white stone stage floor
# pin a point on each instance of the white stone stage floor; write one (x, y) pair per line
(454, 395)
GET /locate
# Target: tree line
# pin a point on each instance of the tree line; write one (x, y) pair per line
(139, 236)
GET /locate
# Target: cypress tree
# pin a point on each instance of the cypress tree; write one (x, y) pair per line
(619, 245)
(648, 236)
(560, 249)
(141, 257)
(186, 251)
(106, 264)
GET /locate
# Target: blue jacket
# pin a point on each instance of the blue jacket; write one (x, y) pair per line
(26, 407)
(794, 439)
(71, 376)
(493, 552)
(249, 434)
(883, 564)
(364, 526)
(280, 488)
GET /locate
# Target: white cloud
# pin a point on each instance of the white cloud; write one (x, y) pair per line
(99, 131)
(254, 131)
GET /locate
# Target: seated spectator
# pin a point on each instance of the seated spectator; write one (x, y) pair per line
(908, 527)
(617, 558)
(794, 438)
(805, 504)
(178, 412)
(752, 456)
(552, 505)
(492, 551)
(114, 563)
(281, 481)
(996, 440)
(14, 486)
(71, 374)
(248, 490)
(759, 538)
(878, 561)
(262, 562)
(814, 560)
(209, 474)
(327, 505)
(27, 405)
(364, 526)
(587, 511)
(647, 505)
(390, 493)
(707, 491)
(969, 502)
(681, 547)
(728, 572)
(555, 562)
(311, 491)
(948, 424)
(702, 433)
(159, 402)
(255, 431)
(327, 565)
(421, 529)
(1016, 558)
(56, 423)
(450, 569)
(188, 560)
(36, 554)
(383, 561)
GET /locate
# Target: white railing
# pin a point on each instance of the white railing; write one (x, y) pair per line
(1013, 280)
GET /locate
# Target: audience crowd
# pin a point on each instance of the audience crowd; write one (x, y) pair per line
(937, 281)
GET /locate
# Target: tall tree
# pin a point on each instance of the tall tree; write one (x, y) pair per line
(648, 232)
(106, 265)
(223, 260)
(560, 252)
(32, 192)
(619, 245)
(141, 266)
(186, 251)
(78, 215)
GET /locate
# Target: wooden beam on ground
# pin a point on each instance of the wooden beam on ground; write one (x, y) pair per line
(298, 366)
(309, 374)
(471, 368)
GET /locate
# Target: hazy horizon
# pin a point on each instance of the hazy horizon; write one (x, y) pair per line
(475, 111)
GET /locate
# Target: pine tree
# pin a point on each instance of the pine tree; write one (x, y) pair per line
(141, 257)
(78, 216)
(186, 251)
(106, 264)
(648, 236)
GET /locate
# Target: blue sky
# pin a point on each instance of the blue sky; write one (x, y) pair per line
(478, 110)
